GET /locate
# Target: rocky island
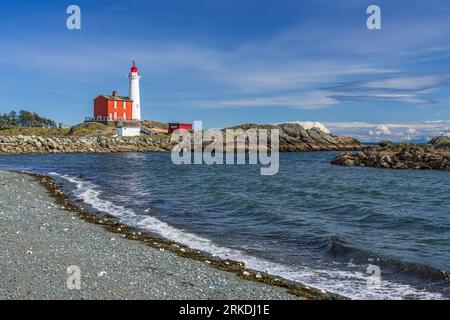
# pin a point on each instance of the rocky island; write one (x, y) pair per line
(433, 155)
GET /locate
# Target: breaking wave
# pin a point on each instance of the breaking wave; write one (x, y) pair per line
(352, 284)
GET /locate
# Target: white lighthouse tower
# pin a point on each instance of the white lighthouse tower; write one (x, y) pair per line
(134, 77)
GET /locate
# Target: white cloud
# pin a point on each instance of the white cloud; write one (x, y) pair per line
(309, 100)
(384, 129)
(313, 124)
(410, 83)
(369, 132)
(407, 89)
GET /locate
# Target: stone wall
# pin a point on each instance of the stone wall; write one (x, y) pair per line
(39, 145)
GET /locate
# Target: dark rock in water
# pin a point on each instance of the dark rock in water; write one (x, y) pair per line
(400, 156)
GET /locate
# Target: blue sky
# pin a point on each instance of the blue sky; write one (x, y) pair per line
(227, 62)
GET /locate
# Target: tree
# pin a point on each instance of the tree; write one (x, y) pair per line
(26, 119)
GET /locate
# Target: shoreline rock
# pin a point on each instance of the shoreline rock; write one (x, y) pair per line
(293, 138)
(43, 145)
(432, 156)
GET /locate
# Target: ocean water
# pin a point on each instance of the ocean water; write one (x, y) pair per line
(323, 225)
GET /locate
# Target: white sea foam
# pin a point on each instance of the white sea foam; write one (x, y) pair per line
(347, 283)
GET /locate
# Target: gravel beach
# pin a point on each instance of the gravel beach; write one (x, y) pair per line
(39, 240)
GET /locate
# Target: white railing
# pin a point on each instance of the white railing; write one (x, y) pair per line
(108, 119)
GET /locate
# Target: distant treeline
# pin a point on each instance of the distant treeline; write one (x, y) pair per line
(26, 119)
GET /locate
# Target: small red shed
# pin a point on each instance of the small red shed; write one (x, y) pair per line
(179, 126)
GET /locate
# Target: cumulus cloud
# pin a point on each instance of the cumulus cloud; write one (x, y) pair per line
(313, 124)
(384, 129)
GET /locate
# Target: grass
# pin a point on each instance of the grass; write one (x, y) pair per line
(31, 131)
(159, 136)
(90, 129)
(81, 130)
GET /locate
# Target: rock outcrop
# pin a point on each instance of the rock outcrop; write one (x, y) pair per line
(441, 142)
(33, 144)
(293, 138)
(434, 155)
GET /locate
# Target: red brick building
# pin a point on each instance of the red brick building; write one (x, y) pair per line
(112, 108)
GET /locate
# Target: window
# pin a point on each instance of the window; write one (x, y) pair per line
(115, 115)
(110, 116)
(124, 104)
(115, 104)
(124, 116)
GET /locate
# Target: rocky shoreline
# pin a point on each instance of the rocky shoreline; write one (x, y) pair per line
(42, 145)
(293, 138)
(434, 155)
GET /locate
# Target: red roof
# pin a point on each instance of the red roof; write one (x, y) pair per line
(134, 68)
(117, 98)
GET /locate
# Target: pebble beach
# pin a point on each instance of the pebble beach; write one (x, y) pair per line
(40, 240)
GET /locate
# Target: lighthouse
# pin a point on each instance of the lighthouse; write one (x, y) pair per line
(134, 78)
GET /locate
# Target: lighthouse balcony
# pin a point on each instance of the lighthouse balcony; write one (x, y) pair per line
(109, 120)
